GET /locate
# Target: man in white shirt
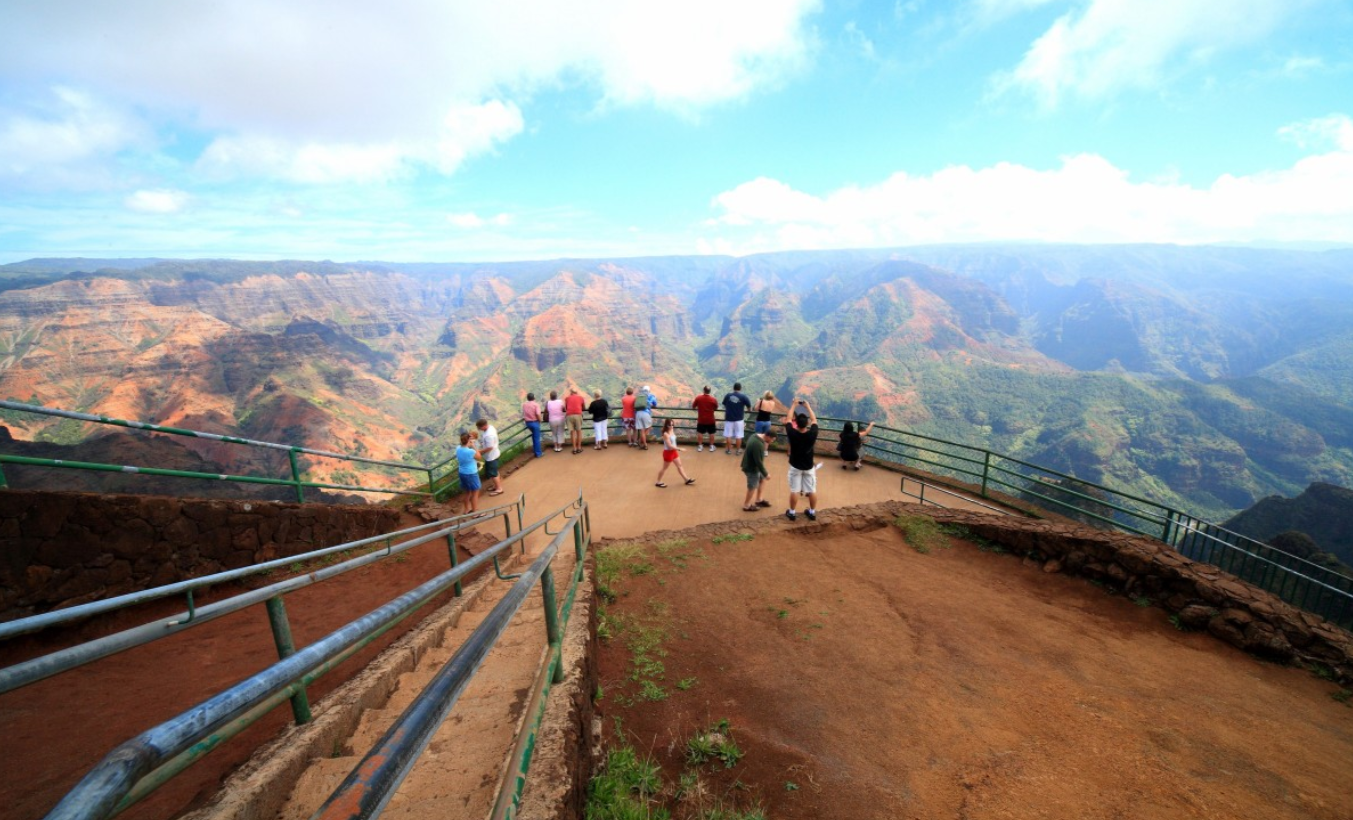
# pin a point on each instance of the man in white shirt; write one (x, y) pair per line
(488, 448)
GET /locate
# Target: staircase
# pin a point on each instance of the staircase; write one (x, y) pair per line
(459, 774)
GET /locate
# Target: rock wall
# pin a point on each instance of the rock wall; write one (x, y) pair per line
(1199, 595)
(63, 549)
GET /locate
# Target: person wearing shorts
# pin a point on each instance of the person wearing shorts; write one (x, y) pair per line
(488, 450)
(735, 407)
(573, 418)
(704, 405)
(643, 417)
(754, 468)
(468, 469)
(554, 409)
(671, 453)
(801, 428)
(601, 416)
(763, 409)
(627, 416)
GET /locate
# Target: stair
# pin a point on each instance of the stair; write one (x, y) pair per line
(459, 772)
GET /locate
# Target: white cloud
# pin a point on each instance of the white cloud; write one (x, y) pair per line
(1112, 45)
(157, 201)
(473, 221)
(315, 91)
(1085, 199)
(60, 139)
(1331, 132)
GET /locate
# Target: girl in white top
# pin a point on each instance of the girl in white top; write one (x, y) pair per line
(671, 453)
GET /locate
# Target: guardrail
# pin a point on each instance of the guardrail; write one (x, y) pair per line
(36, 669)
(1300, 582)
(138, 766)
(434, 480)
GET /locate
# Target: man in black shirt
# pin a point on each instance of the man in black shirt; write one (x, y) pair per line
(801, 428)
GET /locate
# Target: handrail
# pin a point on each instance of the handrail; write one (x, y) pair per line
(510, 437)
(30, 671)
(373, 781)
(107, 787)
(34, 623)
(181, 431)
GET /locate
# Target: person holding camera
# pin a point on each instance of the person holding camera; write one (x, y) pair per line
(801, 429)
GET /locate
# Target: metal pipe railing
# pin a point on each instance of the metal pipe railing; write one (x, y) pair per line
(374, 780)
(34, 623)
(105, 789)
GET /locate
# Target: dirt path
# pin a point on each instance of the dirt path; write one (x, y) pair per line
(864, 679)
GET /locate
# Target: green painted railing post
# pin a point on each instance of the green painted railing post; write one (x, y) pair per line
(3, 483)
(296, 476)
(281, 635)
(986, 470)
(552, 620)
(1168, 533)
(431, 488)
(451, 548)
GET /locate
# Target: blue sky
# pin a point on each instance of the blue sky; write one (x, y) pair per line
(414, 131)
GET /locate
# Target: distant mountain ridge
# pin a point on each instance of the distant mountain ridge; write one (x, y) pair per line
(1322, 511)
(1203, 377)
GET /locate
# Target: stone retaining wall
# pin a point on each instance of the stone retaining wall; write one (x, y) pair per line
(62, 549)
(1200, 596)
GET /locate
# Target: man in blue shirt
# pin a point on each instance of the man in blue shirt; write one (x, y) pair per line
(735, 407)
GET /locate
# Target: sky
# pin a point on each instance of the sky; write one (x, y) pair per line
(431, 130)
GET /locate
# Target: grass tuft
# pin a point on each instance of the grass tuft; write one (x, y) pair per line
(922, 533)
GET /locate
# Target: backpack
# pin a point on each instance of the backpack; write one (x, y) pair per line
(640, 401)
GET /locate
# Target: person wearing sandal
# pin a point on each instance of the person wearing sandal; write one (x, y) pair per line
(754, 467)
(671, 453)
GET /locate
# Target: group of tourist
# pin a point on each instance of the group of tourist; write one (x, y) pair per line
(565, 419)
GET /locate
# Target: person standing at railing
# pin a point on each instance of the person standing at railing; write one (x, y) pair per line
(466, 464)
(554, 409)
(574, 405)
(764, 407)
(801, 428)
(704, 405)
(601, 416)
(530, 414)
(735, 407)
(644, 402)
(627, 416)
(488, 449)
(850, 444)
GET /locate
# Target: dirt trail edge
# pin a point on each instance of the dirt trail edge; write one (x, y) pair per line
(862, 674)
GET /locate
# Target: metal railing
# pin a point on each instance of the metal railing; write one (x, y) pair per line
(30, 671)
(138, 766)
(1302, 583)
(433, 480)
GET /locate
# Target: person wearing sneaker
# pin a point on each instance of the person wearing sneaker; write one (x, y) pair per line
(801, 429)
(735, 407)
(704, 405)
(850, 445)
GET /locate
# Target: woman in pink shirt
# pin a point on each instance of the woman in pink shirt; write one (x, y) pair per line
(530, 413)
(554, 409)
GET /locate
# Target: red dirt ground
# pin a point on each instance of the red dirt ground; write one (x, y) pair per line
(863, 679)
